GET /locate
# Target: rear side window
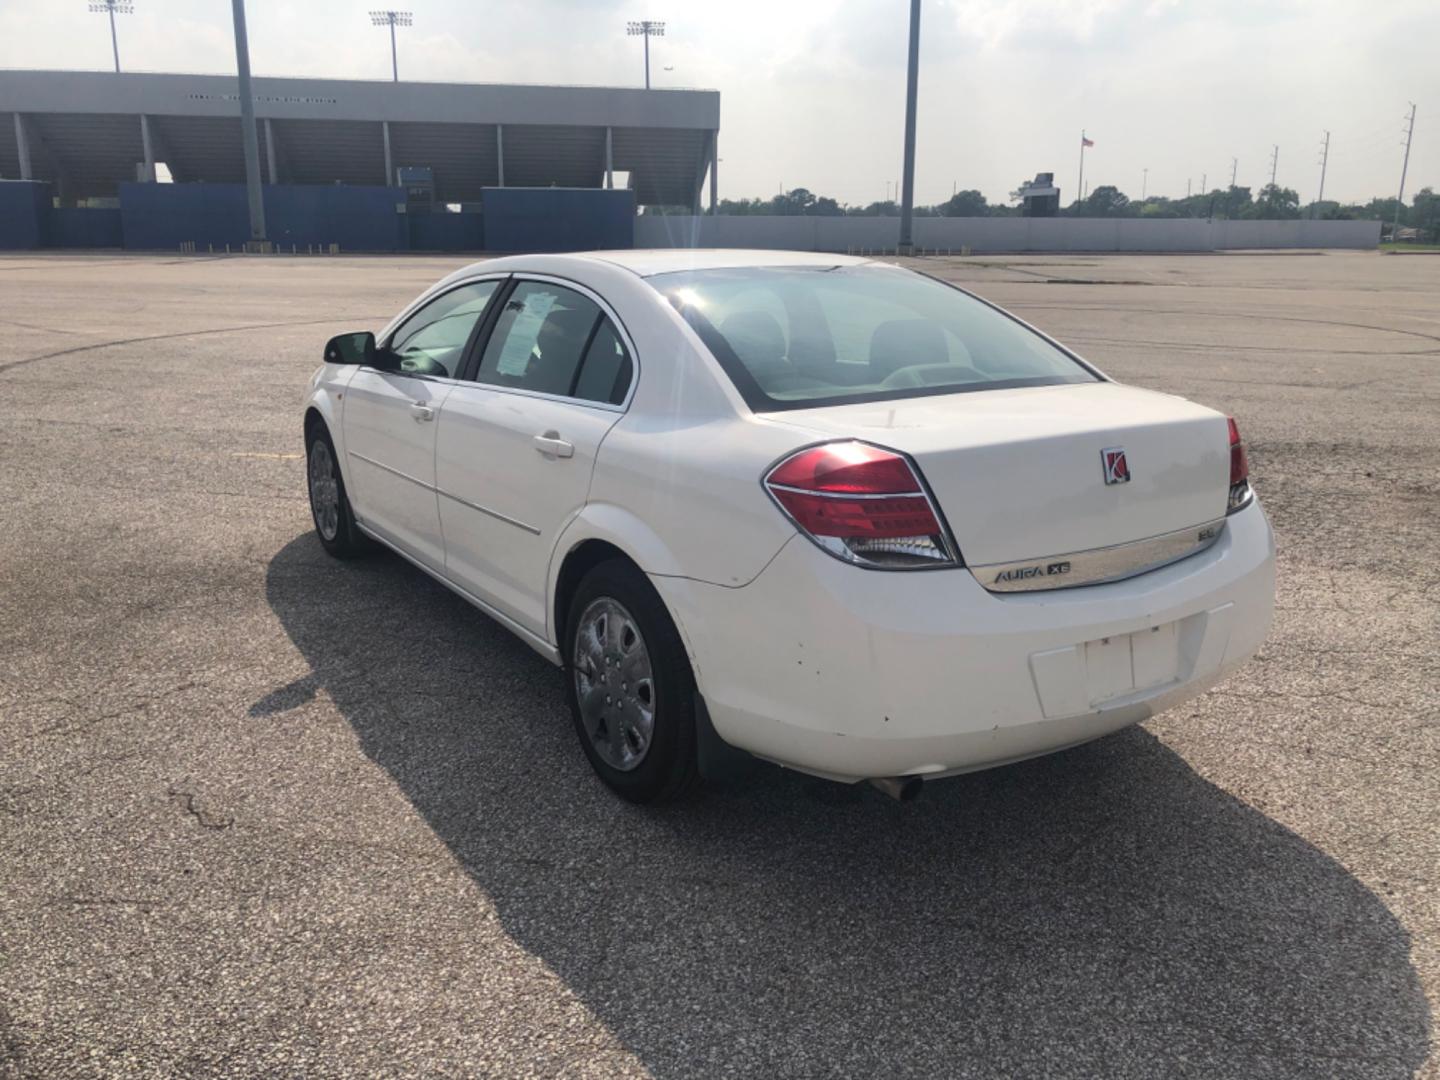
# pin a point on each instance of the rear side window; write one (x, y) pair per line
(552, 340)
(797, 337)
(605, 375)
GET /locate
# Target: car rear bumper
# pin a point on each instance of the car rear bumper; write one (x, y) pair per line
(850, 673)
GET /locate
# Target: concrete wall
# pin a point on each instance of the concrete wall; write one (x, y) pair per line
(1000, 234)
(90, 92)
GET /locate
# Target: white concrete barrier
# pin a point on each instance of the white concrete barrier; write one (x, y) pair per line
(999, 234)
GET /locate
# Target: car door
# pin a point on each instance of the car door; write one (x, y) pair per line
(390, 416)
(517, 440)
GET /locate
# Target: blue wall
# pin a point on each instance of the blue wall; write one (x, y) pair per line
(71, 227)
(558, 219)
(213, 216)
(24, 206)
(162, 216)
(447, 232)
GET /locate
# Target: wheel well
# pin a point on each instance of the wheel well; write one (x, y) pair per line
(313, 419)
(578, 563)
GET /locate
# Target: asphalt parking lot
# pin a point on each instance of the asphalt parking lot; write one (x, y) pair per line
(262, 813)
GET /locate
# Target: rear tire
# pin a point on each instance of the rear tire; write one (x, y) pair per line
(329, 504)
(631, 690)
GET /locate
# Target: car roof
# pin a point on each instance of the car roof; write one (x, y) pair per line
(647, 263)
(671, 260)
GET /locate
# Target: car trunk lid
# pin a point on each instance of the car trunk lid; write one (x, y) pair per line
(1021, 474)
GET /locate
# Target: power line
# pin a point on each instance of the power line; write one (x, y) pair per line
(1400, 200)
(113, 8)
(1324, 161)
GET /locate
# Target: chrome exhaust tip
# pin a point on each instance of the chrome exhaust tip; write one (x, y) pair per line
(899, 788)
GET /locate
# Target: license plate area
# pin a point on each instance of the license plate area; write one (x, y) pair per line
(1092, 674)
(1128, 663)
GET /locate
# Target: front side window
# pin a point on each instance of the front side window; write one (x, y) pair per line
(432, 341)
(552, 340)
(797, 337)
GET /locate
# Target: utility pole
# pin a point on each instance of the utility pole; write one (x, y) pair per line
(646, 28)
(1324, 160)
(392, 19)
(113, 8)
(247, 125)
(1203, 178)
(1274, 163)
(1080, 183)
(1144, 183)
(1187, 187)
(1400, 201)
(1234, 168)
(912, 83)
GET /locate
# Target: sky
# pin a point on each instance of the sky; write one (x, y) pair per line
(813, 91)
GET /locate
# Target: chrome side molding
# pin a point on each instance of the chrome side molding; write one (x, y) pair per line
(1098, 565)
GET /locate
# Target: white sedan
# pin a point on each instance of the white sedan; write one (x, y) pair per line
(828, 511)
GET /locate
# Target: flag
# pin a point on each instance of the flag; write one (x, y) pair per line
(1086, 142)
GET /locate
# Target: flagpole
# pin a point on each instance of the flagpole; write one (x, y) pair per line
(1080, 184)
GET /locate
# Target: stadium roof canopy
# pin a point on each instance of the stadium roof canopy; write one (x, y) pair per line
(87, 131)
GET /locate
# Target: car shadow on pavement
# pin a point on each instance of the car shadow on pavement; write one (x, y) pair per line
(1105, 911)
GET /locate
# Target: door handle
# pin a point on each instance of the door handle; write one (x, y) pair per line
(420, 411)
(551, 445)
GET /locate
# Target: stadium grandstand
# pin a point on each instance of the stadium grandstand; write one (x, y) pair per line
(86, 133)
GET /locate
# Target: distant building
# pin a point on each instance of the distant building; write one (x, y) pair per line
(1039, 197)
(88, 132)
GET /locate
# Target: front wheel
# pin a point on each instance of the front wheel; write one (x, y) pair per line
(329, 505)
(632, 693)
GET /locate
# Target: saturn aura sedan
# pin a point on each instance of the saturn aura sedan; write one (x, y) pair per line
(831, 512)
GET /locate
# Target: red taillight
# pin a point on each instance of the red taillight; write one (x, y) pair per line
(1240, 494)
(848, 468)
(1239, 464)
(861, 504)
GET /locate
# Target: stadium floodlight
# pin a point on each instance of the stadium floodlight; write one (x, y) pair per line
(392, 19)
(646, 28)
(113, 8)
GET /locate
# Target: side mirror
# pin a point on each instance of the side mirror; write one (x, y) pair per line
(351, 349)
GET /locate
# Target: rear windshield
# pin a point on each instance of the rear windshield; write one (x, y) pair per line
(797, 337)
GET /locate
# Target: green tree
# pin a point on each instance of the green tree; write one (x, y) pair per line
(965, 204)
(1425, 214)
(887, 208)
(1274, 202)
(1105, 201)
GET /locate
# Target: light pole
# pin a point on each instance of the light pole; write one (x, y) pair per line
(907, 190)
(392, 19)
(113, 8)
(646, 28)
(248, 138)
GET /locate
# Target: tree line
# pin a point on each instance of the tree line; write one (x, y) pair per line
(1271, 203)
